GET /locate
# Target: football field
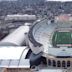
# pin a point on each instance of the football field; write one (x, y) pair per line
(62, 38)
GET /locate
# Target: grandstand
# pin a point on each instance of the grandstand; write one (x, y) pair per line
(54, 40)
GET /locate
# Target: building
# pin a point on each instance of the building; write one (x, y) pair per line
(64, 17)
(19, 17)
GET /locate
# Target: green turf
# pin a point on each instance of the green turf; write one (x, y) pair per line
(62, 38)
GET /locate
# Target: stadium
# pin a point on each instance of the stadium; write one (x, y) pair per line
(46, 45)
(55, 41)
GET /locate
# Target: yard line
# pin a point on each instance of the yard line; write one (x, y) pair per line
(55, 37)
(71, 35)
(71, 38)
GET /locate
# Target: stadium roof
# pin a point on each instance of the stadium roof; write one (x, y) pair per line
(10, 52)
(14, 53)
(14, 57)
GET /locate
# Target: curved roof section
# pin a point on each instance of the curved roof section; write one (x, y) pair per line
(16, 38)
(11, 52)
(14, 57)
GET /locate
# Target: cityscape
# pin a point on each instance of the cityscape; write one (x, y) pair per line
(35, 36)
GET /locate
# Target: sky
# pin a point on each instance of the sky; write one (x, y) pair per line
(59, 0)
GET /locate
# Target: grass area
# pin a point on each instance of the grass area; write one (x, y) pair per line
(62, 38)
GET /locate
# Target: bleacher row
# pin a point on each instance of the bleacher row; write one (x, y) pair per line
(64, 29)
(32, 32)
(64, 24)
(31, 38)
(43, 34)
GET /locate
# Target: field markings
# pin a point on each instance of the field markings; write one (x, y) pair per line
(55, 37)
(71, 35)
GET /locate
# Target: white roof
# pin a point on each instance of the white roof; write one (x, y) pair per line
(20, 17)
(11, 52)
(17, 37)
(14, 57)
(26, 24)
(51, 70)
(15, 64)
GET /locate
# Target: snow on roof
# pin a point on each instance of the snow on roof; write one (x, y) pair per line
(11, 52)
(17, 37)
(51, 70)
